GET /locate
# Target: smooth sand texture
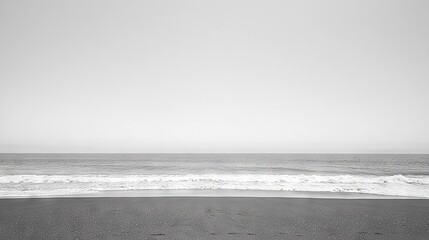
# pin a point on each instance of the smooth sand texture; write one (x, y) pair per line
(213, 218)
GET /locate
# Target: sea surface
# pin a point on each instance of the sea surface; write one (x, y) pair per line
(32, 175)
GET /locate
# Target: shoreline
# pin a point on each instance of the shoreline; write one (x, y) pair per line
(213, 218)
(219, 193)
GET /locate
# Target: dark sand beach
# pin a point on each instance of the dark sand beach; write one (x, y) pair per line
(213, 218)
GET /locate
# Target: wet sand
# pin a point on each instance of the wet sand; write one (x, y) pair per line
(213, 218)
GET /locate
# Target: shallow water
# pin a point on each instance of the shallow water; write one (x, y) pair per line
(62, 174)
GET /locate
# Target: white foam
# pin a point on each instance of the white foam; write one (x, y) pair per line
(42, 185)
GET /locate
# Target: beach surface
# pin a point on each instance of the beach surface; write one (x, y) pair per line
(213, 218)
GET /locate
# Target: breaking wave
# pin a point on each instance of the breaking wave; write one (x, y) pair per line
(42, 185)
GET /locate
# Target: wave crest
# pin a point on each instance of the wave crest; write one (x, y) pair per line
(413, 186)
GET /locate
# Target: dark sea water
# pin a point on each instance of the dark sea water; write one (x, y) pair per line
(65, 174)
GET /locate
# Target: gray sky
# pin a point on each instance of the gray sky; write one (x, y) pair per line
(214, 76)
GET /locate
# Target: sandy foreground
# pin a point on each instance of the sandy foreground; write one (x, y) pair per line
(213, 218)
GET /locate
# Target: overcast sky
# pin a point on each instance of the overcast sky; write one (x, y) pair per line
(214, 76)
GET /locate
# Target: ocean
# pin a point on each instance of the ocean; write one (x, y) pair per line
(34, 175)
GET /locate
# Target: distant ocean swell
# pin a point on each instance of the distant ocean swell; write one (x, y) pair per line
(42, 185)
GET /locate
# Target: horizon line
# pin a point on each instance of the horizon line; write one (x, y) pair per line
(355, 153)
